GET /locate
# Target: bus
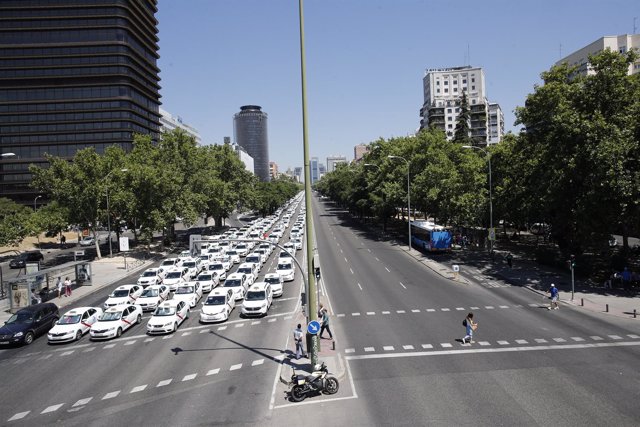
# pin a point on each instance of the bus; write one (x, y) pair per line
(430, 237)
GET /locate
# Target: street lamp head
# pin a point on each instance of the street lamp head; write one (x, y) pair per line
(467, 146)
(124, 170)
(392, 157)
(8, 154)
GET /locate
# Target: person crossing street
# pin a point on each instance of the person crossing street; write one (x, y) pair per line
(554, 297)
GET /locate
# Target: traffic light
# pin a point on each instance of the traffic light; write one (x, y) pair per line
(572, 262)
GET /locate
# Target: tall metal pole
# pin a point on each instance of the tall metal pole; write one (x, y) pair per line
(408, 192)
(312, 297)
(108, 225)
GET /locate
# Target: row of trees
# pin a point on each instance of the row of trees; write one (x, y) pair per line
(575, 166)
(148, 188)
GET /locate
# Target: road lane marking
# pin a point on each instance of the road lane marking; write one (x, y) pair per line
(389, 271)
(46, 356)
(388, 348)
(340, 315)
(371, 313)
(474, 308)
(82, 402)
(408, 347)
(189, 377)
(595, 338)
(489, 307)
(459, 308)
(239, 325)
(19, 416)
(359, 286)
(149, 339)
(578, 339)
(345, 260)
(257, 362)
(52, 408)
(130, 342)
(213, 371)
(87, 350)
(369, 349)
(256, 322)
(386, 312)
(235, 367)
(502, 342)
(430, 310)
(401, 284)
(222, 328)
(540, 340)
(204, 331)
(272, 320)
(445, 309)
(167, 337)
(288, 317)
(522, 342)
(355, 314)
(445, 345)
(427, 345)
(615, 337)
(484, 343)
(164, 382)
(400, 311)
(184, 334)
(415, 311)
(138, 389)
(66, 353)
(108, 346)
(351, 271)
(504, 306)
(559, 340)
(633, 336)
(111, 395)
(377, 259)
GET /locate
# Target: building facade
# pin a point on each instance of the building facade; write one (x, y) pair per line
(359, 151)
(332, 161)
(442, 91)
(298, 174)
(622, 44)
(250, 128)
(169, 122)
(314, 170)
(73, 75)
(273, 170)
(244, 157)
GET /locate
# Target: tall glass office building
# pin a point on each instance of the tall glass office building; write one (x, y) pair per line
(250, 128)
(73, 74)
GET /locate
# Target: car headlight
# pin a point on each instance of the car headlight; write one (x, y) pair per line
(263, 305)
(18, 334)
(167, 324)
(111, 328)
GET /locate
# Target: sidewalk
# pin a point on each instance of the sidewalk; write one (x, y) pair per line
(105, 272)
(537, 278)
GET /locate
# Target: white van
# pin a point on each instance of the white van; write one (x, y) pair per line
(258, 300)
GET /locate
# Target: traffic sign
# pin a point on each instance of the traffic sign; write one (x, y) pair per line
(456, 268)
(492, 234)
(313, 327)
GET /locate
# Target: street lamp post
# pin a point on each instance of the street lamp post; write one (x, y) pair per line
(491, 237)
(35, 203)
(109, 215)
(408, 193)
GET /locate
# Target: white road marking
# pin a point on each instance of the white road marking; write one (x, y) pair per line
(204, 331)
(256, 322)
(430, 310)
(369, 349)
(257, 362)
(19, 416)
(184, 334)
(87, 350)
(345, 260)
(52, 408)
(189, 377)
(108, 346)
(415, 311)
(445, 345)
(615, 337)
(359, 286)
(46, 356)
(222, 328)
(522, 342)
(341, 251)
(111, 395)
(288, 317)
(445, 309)
(388, 348)
(504, 306)
(377, 259)
(518, 306)
(559, 340)
(578, 339)
(369, 250)
(355, 314)
(408, 347)
(484, 343)
(239, 325)
(272, 320)
(633, 336)
(402, 285)
(167, 337)
(459, 308)
(351, 271)
(474, 308)
(82, 402)
(502, 342)
(149, 339)
(164, 382)
(400, 311)
(66, 353)
(540, 340)
(427, 346)
(349, 350)
(235, 367)
(340, 315)
(386, 312)
(534, 305)
(213, 371)
(489, 307)
(130, 342)
(371, 313)
(138, 388)
(389, 271)
(595, 338)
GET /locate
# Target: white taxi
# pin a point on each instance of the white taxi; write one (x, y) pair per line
(249, 268)
(114, 321)
(151, 276)
(285, 269)
(125, 294)
(258, 300)
(218, 305)
(276, 283)
(219, 269)
(152, 296)
(208, 280)
(73, 324)
(167, 317)
(190, 292)
(175, 278)
(238, 283)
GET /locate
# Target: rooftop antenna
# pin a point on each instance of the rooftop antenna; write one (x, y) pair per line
(468, 55)
(560, 50)
(635, 18)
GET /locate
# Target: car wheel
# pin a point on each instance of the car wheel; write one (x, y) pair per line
(119, 333)
(139, 319)
(28, 339)
(175, 326)
(53, 323)
(187, 315)
(78, 335)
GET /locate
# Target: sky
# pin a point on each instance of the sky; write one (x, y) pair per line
(365, 60)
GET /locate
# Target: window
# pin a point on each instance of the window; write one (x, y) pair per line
(473, 87)
(464, 81)
(446, 83)
(473, 79)
(437, 90)
(449, 110)
(446, 91)
(455, 89)
(449, 118)
(437, 82)
(455, 82)
(449, 126)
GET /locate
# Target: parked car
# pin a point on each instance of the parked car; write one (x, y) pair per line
(258, 300)
(167, 317)
(276, 283)
(87, 241)
(286, 269)
(115, 320)
(237, 282)
(125, 294)
(151, 276)
(208, 280)
(152, 296)
(21, 260)
(74, 324)
(28, 323)
(218, 305)
(190, 292)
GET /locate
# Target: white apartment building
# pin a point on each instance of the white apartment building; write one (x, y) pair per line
(169, 122)
(332, 161)
(622, 44)
(443, 89)
(244, 157)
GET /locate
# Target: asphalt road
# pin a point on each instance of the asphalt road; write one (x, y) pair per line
(399, 325)
(200, 375)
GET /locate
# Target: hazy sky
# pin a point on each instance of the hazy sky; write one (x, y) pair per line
(365, 60)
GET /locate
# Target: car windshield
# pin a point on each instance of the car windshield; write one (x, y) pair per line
(174, 275)
(284, 267)
(272, 280)
(285, 254)
(245, 270)
(204, 277)
(216, 267)
(110, 316)
(232, 253)
(69, 319)
(149, 274)
(184, 290)
(215, 300)
(20, 318)
(168, 262)
(204, 257)
(120, 293)
(189, 264)
(255, 296)
(240, 247)
(149, 293)
(253, 258)
(165, 311)
(230, 283)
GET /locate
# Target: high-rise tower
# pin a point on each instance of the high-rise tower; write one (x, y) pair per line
(250, 128)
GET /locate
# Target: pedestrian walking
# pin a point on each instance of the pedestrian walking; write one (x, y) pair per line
(67, 287)
(510, 260)
(323, 314)
(63, 241)
(297, 337)
(59, 287)
(554, 297)
(470, 327)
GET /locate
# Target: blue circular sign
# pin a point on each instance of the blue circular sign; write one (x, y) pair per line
(313, 327)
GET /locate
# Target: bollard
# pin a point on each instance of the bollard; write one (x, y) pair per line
(582, 302)
(634, 313)
(607, 308)
(333, 345)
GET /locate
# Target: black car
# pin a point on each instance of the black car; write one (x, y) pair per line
(25, 257)
(28, 323)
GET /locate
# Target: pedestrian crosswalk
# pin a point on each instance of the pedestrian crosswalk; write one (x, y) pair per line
(417, 310)
(497, 343)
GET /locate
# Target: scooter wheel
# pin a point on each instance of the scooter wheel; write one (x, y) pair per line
(331, 385)
(297, 393)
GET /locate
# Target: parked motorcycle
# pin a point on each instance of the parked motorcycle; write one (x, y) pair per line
(318, 382)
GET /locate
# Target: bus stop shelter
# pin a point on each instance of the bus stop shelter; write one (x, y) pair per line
(35, 287)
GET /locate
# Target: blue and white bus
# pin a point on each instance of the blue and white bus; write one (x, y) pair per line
(430, 237)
